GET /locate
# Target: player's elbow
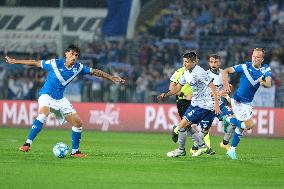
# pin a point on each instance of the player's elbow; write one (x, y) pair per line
(228, 71)
(38, 64)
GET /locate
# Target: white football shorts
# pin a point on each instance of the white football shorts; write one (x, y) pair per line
(59, 108)
(243, 112)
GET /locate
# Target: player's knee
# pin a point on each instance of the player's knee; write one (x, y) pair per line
(250, 124)
(78, 123)
(44, 110)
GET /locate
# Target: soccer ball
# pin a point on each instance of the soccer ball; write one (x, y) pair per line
(60, 150)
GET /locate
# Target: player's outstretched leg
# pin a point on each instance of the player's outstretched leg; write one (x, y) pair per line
(36, 128)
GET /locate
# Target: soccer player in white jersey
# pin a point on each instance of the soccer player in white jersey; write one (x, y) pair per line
(202, 104)
(253, 74)
(215, 72)
(60, 73)
(214, 61)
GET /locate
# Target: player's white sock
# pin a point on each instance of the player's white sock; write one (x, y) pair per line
(182, 138)
(232, 148)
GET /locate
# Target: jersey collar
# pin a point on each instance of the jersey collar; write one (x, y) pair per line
(67, 67)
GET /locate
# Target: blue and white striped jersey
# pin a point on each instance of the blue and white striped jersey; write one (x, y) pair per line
(249, 80)
(59, 76)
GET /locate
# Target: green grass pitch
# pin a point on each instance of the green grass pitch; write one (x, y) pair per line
(135, 160)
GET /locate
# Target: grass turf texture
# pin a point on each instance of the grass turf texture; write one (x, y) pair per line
(136, 160)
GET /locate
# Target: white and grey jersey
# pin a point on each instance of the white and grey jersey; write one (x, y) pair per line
(217, 81)
(199, 80)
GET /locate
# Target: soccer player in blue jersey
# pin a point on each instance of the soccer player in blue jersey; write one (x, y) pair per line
(253, 74)
(60, 73)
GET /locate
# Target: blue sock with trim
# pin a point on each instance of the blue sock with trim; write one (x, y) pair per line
(237, 137)
(237, 123)
(76, 138)
(36, 127)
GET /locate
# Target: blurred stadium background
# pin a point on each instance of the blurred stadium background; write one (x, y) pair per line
(140, 40)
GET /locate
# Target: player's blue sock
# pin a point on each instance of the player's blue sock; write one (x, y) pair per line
(76, 137)
(36, 127)
(237, 137)
(237, 123)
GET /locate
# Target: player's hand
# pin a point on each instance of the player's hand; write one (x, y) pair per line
(161, 97)
(217, 109)
(117, 79)
(261, 80)
(227, 87)
(223, 93)
(9, 60)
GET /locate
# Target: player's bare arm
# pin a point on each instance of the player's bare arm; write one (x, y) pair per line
(226, 84)
(172, 85)
(36, 63)
(215, 97)
(105, 75)
(174, 90)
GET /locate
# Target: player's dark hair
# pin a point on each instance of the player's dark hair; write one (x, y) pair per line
(191, 55)
(74, 48)
(215, 56)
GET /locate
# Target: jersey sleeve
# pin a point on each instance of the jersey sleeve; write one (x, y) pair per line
(182, 80)
(173, 78)
(238, 68)
(86, 70)
(46, 65)
(267, 72)
(176, 76)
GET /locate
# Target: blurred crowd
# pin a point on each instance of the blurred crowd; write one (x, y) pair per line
(230, 28)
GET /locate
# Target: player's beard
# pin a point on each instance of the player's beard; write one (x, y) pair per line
(214, 69)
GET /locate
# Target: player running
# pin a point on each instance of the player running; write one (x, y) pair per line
(60, 73)
(253, 74)
(183, 100)
(215, 72)
(202, 104)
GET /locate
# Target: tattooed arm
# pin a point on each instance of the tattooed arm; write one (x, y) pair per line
(105, 75)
